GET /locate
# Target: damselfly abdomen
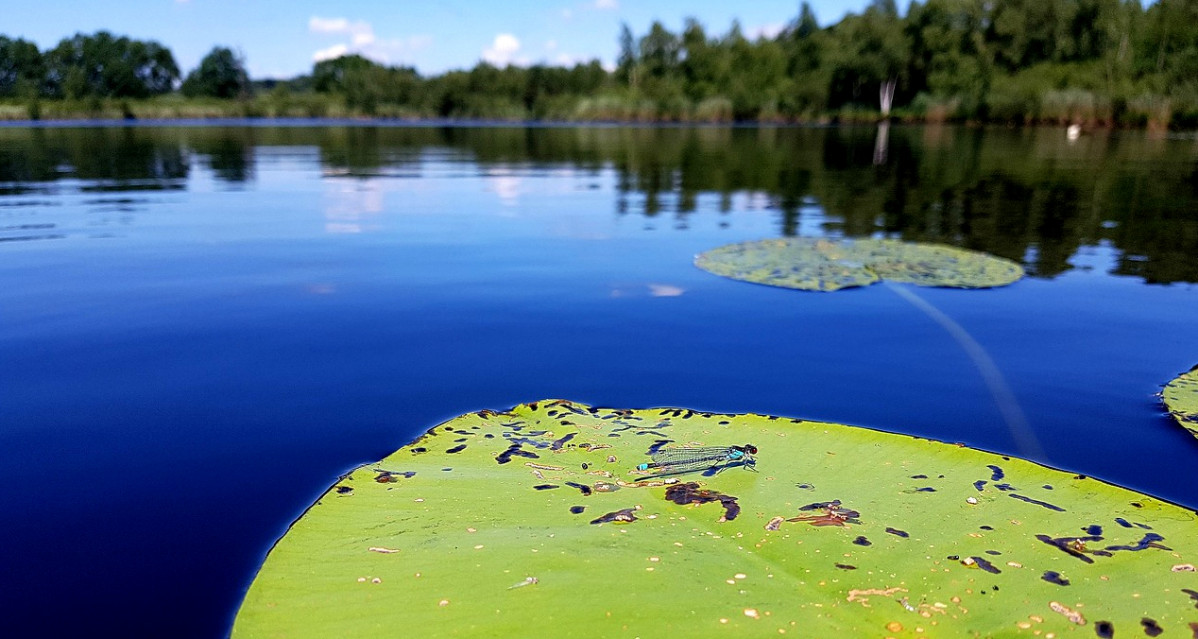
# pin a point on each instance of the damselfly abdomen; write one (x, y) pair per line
(685, 459)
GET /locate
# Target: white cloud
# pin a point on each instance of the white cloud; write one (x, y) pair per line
(363, 41)
(502, 51)
(607, 4)
(329, 53)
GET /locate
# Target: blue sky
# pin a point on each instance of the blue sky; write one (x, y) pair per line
(282, 38)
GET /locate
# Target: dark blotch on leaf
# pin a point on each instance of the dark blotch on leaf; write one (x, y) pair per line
(898, 533)
(919, 476)
(846, 566)
(1104, 629)
(1036, 502)
(925, 489)
(1193, 595)
(985, 564)
(558, 443)
(1122, 522)
(1151, 628)
(1073, 546)
(1149, 541)
(1093, 529)
(1054, 577)
(514, 449)
(691, 493)
(417, 451)
(862, 541)
(546, 486)
(586, 490)
(456, 449)
(577, 510)
(979, 484)
(834, 514)
(996, 472)
(656, 446)
(623, 516)
(985, 527)
(344, 490)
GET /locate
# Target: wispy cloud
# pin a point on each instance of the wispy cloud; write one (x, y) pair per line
(361, 39)
(607, 4)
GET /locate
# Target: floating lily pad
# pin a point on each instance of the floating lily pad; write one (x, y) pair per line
(1181, 398)
(829, 265)
(535, 522)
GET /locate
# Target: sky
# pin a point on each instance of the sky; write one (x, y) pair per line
(283, 38)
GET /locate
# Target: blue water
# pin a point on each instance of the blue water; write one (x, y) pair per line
(195, 341)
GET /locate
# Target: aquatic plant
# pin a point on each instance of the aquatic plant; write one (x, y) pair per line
(535, 521)
(1181, 398)
(828, 265)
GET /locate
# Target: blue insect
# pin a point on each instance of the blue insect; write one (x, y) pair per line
(684, 459)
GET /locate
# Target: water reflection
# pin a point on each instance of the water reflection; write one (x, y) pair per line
(1030, 195)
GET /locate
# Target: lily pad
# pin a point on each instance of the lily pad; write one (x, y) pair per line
(536, 522)
(829, 265)
(1181, 398)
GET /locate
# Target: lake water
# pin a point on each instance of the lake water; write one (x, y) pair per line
(201, 327)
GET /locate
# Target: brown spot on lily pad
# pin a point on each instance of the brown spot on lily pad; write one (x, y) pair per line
(623, 516)
(691, 493)
(834, 514)
(1069, 613)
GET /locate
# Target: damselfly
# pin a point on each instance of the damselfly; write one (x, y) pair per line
(685, 459)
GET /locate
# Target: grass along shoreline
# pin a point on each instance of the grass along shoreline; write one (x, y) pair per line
(1057, 108)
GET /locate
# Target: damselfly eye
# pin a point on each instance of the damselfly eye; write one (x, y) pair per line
(751, 449)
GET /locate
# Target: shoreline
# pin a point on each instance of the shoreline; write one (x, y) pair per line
(92, 121)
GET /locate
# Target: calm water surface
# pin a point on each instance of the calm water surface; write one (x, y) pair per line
(202, 327)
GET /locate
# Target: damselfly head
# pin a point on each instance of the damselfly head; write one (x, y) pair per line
(750, 448)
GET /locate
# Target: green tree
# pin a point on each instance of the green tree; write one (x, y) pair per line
(626, 63)
(949, 57)
(869, 57)
(659, 51)
(704, 65)
(22, 68)
(103, 65)
(328, 76)
(221, 74)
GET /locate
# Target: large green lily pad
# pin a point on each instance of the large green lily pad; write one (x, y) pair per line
(534, 522)
(1181, 398)
(829, 265)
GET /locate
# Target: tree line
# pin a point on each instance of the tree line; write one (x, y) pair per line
(1094, 62)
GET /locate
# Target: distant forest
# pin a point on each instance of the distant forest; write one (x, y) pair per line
(1087, 62)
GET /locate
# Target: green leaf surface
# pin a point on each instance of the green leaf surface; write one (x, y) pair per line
(829, 265)
(534, 522)
(1181, 398)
